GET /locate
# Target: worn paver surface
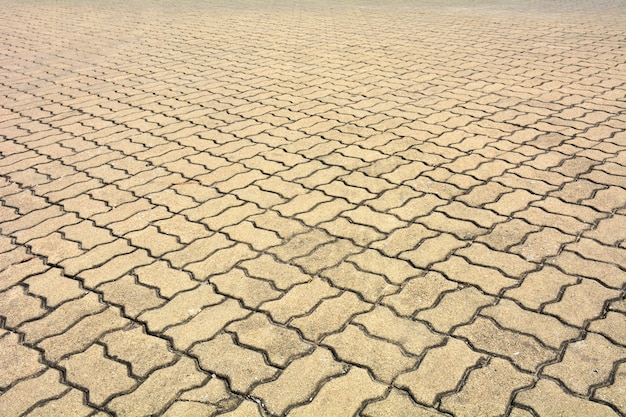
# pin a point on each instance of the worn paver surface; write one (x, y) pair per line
(310, 208)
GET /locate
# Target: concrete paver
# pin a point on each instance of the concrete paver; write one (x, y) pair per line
(312, 208)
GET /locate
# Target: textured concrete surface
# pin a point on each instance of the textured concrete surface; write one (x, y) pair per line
(262, 208)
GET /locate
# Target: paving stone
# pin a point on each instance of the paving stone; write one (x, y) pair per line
(430, 380)
(299, 300)
(300, 245)
(80, 336)
(111, 376)
(131, 296)
(18, 265)
(419, 293)
(180, 308)
(547, 398)
(612, 326)
(369, 286)
(198, 250)
(586, 363)
(581, 302)
(326, 255)
(398, 402)
(330, 402)
(540, 287)
(487, 390)
(450, 311)
(488, 280)
(17, 361)
(281, 345)
(573, 264)
(17, 306)
(161, 387)
(404, 239)
(282, 276)
(143, 352)
(25, 394)
(523, 350)
(330, 316)
(384, 359)
(168, 281)
(614, 393)
(299, 381)
(72, 403)
(244, 368)
(114, 268)
(220, 261)
(62, 318)
(510, 264)
(252, 292)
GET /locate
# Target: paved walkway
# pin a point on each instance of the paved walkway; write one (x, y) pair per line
(312, 208)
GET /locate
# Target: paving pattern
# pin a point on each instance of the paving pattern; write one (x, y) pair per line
(262, 208)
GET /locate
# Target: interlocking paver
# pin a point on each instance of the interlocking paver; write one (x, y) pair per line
(443, 212)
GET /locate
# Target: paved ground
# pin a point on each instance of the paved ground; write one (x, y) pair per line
(312, 208)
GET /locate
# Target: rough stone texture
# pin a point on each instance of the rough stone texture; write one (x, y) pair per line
(312, 208)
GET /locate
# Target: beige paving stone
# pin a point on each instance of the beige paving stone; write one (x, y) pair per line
(488, 280)
(221, 261)
(62, 318)
(22, 396)
(133, 298)
(98, 255)
(281, 345)
(540, 287)
(612, 326)
(252, 292)
(510, 264)
(384, 359)
(581, 302)
(592, 250)
(401, 240)
(259, 239)
(542, 244)
(545, 328)
(114, 268)
(17, 265)
(181, 307)
(399, 402)
(487, 390)
(243, 367)
(299, 300)
(161, 387)
(111, 376)
(206, 324)
(72, 403)
(523, 350)
(80, 336)
(299, 381)
(329, 316)
(168, 281)
(18, 362)
(614, 393)
(281, 275)
(300, 245)
(432, 250)
(450, 311)
(198, 250)
(547, 398)
(431, 379)
(327, 255)
(330, 402)
(380, 221)
(573, 264)
(143, 352)
(17, 306)
(369, 286)
(419, 293)
(507, 234)
(586, 363)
